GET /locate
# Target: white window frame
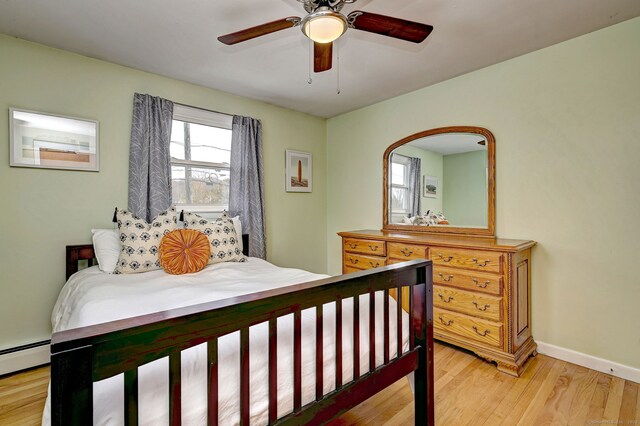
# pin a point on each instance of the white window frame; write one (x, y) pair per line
(207, 118)
(404, 161)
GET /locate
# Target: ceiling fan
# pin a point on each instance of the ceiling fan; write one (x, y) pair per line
(324, 24)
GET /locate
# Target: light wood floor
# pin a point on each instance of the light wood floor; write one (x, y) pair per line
(468, 390)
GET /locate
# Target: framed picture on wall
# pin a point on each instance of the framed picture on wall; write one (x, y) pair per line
(299, 175)
(429, 186)
(50, 141)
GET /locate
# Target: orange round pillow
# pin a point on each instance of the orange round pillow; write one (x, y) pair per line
(184, 251)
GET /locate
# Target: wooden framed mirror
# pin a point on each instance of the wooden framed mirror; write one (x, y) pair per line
(441, 181)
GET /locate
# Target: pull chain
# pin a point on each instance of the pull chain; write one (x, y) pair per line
(337, 67)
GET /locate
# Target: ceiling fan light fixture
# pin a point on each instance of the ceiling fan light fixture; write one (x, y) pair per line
(324, 26)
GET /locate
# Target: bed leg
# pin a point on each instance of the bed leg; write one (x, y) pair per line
(72, 387)
(423, 335)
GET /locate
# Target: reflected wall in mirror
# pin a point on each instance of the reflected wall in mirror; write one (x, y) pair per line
(441, 181)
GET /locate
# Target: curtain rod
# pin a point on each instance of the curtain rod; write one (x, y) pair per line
(203, 109)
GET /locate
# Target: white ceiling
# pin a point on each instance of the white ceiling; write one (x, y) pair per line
(178, 39)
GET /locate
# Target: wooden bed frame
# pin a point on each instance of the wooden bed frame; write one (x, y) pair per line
(85, 355)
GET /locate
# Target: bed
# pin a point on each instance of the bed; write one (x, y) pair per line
(237, 343)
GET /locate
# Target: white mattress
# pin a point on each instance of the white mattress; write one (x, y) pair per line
(91, 297)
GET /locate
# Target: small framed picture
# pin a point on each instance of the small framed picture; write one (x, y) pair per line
(50, 141)
(299, 173)
(429, 186)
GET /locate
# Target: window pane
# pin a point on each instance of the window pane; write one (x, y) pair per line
(397, 173)
(399, 199)
(176, 147)
(211, 144)
(207, 143)
(200, 185)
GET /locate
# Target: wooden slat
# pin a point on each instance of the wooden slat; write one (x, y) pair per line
(131, 397)
(212, 388)
(338, 343)
(399, 320)
(244, 377)
(175, 402)
(385, 344)
(297, 361)
(273, 370)
(319, 353)
(372, 331)
(412, 342)
(356, 337)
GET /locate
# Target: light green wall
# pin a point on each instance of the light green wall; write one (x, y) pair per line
(567, 126)
(431, 164)
(464, 191)
(44, 210)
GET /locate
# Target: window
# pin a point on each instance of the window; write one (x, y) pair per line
(399, 184)
(200, 155)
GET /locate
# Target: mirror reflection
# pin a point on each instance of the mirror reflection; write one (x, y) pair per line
(440, 180)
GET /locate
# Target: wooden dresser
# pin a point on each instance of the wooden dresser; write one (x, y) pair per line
(481, 292)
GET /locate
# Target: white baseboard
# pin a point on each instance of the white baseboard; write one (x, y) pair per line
(603, 365)
(23, 359)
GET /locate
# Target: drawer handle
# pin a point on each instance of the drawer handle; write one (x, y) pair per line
(373, 248)
(445, 279)
(447, 323)
(374, 266)
(449, 298)
(481, 334)
(484, 308)
(353, 261)
(445, 259)
(406, 252)
(353, 246)
(481, 264)
(481, 285)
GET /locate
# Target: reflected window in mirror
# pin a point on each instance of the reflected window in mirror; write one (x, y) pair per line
(405, 181)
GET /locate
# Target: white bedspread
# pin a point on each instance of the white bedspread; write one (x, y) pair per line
(91, 297)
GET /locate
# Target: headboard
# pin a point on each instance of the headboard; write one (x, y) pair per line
(85, 252)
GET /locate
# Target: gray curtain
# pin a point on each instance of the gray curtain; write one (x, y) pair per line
(246, 190)
(414, 186)
(149, 158)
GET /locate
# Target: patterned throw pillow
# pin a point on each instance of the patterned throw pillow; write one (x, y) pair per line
(184, 251)
(222, 236)
(139, 240)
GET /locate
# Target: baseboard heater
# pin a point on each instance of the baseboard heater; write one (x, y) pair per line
(24, 357)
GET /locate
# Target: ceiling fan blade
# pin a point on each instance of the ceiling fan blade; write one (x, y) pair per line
(414, 32)
(259, 30)
(322, 56)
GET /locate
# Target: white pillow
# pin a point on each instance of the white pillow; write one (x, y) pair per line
(236, 224)
(222, 235)
(106, 247)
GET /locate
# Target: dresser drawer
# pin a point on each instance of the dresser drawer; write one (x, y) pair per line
(407, 251)
(359, 261)
(487, 332)
(483, 306)
(348, 269)
(470, 259)
(468, 280)
(371, 247)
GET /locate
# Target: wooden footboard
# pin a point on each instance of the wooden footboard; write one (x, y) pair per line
(82, 356)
